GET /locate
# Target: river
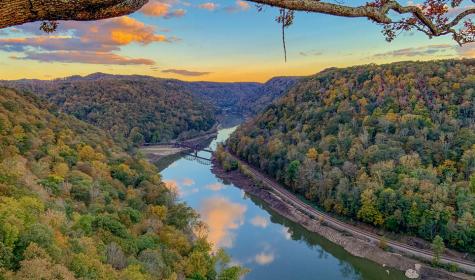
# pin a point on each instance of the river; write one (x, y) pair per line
(256, 237)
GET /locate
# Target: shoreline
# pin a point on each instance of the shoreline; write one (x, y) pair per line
(353, 245)
(158, 152)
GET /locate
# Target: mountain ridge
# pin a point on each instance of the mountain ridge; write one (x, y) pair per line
(141, 108)
(390, 145)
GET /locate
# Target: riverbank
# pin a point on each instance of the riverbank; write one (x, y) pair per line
(355, 246)
(155, 153)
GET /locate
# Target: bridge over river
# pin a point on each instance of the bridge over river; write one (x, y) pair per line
(192, 151)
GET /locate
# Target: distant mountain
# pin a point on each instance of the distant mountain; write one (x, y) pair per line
(241, 99)
(136, 108)
(266, 94)
(390, 145)
(147, 109)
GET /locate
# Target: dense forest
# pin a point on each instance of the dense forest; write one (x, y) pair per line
(390, 145)
(141, 109)
(74, 205)
(134, 108)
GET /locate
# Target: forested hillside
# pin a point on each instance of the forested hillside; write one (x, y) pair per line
(135, 108)
(147, 109)
(73, 205)
(276, 87)
(390, 145)
(240, 100)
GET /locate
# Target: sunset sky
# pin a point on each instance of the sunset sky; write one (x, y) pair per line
(222, 40)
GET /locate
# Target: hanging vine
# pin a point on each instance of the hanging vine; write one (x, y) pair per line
(285, 18)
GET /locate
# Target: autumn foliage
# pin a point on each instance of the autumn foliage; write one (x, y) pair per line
(75, 205)
(390, 145)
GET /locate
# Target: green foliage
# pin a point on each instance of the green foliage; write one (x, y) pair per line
(84, 224)
(292, 172)
(135, 108)
(438, 248)
(75, 205)
(230, 164)
(227, 162)
(109, 223)
(53, 183)
(10, 105)
(390, 145)
(453, 267)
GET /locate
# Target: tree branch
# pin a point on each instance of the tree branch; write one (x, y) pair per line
(460, 17)
(432, 20)
(316, 6)
(377, 11)
(16, 12)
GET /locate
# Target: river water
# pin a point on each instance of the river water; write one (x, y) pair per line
(271, 246)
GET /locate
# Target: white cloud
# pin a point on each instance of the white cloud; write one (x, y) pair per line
(260, 221)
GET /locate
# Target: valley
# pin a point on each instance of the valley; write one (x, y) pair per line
(237, 140)
(255, 235)
(361, 156)
(142, 109)
(75, 205)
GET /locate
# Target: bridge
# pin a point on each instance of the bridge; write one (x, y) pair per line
(200, 160)
(191, 150)
(195, 147)
(194, 155)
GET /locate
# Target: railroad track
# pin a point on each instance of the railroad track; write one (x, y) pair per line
(406, 249)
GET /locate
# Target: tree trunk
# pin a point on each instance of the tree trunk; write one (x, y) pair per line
(16, 12)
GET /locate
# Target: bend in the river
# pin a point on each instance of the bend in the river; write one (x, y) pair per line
(271, 246)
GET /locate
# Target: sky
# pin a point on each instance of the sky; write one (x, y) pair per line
(209, 40)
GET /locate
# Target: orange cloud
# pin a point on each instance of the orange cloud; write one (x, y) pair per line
(186, 182)
(238, 6)
(161, 9)
(243, 5)
(121, 31)
(179, 188)
(172, 186)
(156, 9)
(222, 217)
(215, 187)
(210, 6)
(83, 41)
(264, 258)
(176, 13)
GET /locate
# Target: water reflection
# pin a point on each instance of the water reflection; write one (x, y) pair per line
(172, 186)
(350, 267)
(181, 188)
(264, 258)
(215, 186)
(222, 217)
(187, 182)
(257, 237)
(260, 221)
